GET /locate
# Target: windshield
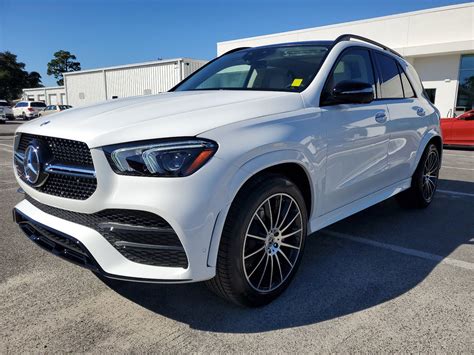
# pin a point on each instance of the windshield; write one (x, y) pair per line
(3, 103)
(285, 68)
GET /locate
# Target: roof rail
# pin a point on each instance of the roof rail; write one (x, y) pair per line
(348, 37)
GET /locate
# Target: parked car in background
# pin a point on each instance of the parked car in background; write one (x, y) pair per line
(53, 109)
(459, 131)
(222, 178)
(28, 109)
(7, 110)
(3, 117)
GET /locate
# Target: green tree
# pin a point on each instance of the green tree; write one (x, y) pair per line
(63, 62)
(33, 80)
(14, 77)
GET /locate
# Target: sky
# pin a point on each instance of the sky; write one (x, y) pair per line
(112, 32)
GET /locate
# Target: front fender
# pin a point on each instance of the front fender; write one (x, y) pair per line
(244, 174)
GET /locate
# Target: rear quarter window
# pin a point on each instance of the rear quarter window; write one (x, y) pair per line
(38, 104)
(391, 85)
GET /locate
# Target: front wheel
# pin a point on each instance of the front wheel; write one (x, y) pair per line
(424, 180)
(262, 242)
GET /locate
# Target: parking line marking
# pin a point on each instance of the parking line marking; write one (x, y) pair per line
(457, 155)
(455, 193)
(454, 167)
(407, 251)
(9, 188)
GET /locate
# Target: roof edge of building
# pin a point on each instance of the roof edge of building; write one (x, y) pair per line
(133, 65)
(44, 88)
(356, 22)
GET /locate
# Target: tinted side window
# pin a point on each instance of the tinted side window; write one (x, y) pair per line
(354, 65)
(407, 88)
(38, 104)
(391, 85)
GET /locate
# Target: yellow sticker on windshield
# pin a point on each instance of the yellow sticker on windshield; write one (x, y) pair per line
(296, 82)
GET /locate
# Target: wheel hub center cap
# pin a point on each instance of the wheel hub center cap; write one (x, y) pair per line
(272, 243)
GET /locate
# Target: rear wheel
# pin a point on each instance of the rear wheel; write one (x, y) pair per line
(262, 242)
(23, 116)
(424, 180)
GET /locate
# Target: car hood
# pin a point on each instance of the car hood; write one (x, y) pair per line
(174, 114)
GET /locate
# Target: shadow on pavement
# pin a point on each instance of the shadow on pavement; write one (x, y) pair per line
(337, 277)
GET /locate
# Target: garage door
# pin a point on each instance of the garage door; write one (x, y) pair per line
(52, 99)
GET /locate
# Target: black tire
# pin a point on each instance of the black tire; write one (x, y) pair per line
(417, 196)
(23, 117)
(2, 122)
(231, 281)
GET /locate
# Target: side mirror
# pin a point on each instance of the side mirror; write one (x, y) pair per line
(350, 92)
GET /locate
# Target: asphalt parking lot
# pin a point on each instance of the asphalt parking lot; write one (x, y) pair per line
(386, 279)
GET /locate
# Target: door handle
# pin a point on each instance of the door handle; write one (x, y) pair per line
(381, 117)
(420, 112)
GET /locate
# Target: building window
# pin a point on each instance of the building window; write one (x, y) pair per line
(465, 100)
(431, 93)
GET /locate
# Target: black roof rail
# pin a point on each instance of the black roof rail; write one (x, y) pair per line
(348, 37)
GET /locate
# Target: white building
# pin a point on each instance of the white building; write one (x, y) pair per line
(439, 42)
(89, 86)
(52, 95)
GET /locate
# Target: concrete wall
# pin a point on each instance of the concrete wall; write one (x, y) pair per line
(440, 73)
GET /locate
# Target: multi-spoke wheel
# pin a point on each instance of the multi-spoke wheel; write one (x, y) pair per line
(430, 174)
(272, 242)
(262, 242)
(424, 180)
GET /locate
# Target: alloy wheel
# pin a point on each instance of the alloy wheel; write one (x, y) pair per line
(430, 175)
(272, 242)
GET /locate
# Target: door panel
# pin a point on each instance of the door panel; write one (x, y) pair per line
(357, 143)
(446, 129)
(356, 153)
(463, 131)
(406, 127)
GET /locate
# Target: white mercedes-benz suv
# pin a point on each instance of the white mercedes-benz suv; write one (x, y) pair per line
(223, 178)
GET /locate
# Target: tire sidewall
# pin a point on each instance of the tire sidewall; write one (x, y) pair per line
(248, 206)
(418, 183)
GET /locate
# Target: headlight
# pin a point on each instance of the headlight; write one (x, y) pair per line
(172, 158)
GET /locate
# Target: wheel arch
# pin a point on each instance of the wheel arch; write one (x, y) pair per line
(291, 164)
(430, 137)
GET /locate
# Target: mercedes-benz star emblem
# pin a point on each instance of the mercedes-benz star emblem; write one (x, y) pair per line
(32, 165)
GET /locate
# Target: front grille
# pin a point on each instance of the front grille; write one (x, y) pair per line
(65, 151)
(72, 187)
(68, 153)
(140, 236)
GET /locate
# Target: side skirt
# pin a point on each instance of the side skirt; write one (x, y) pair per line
(335, 216)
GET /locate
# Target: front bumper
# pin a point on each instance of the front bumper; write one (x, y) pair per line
(67, 247)
(189, 205)
(86, 247)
